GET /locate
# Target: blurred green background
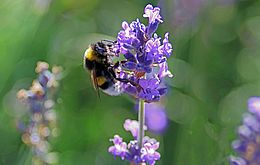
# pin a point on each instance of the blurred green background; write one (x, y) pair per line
(216, 64)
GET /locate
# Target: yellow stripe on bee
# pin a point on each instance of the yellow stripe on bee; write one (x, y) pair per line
(90, 54)
(101, 80)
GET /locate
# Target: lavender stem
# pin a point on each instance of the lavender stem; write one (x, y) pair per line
(141, 119)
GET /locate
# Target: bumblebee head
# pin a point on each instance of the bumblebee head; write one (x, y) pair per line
(97, 54)
(101, 48)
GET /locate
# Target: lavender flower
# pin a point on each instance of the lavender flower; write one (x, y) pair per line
(145, 66)
(131, 151)
(145, 56)
(248, 144)
(42, 123)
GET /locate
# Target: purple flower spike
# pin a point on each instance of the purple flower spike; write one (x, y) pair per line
(131, 151)
(41, 124)
(144, 53)
(248, 142)
(144, 64)
(119, 148)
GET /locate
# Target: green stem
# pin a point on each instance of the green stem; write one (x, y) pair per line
(141, 119)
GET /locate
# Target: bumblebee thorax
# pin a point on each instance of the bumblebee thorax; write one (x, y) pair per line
(90, 54)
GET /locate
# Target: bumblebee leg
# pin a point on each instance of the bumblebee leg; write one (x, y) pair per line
(124, 80)
(138, 86)
(112, 72)
(118, 63)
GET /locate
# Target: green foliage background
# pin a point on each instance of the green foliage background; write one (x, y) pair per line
(216, 63)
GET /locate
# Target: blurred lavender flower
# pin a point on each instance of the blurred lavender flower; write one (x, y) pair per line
(155, 117)
(131, 151)
(248, 144)
(145, 56)
(42, 117)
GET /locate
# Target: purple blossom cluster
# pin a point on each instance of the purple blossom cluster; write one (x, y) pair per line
(131, 151)
(42, 116)
(248, 144)
(145, 56)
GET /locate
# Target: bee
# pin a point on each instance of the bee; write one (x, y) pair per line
(98, 61)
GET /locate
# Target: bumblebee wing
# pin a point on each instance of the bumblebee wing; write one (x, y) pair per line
(94, 81)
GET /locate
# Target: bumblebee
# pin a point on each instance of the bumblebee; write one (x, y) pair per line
(98, 60)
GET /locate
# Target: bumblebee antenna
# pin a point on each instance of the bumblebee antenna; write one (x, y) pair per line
(110, 41)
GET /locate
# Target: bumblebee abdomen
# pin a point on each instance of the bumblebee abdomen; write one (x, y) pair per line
(107, 83)
(89, 64)
(113, 89)
(103, 82)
